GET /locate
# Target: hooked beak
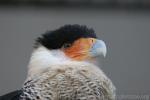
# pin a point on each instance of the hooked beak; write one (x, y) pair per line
(98, 48)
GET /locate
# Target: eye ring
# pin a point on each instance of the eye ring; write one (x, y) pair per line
(66, 45)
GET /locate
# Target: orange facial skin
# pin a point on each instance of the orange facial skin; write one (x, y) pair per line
(79, 50)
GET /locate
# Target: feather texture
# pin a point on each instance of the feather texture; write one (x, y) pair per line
(71, 81)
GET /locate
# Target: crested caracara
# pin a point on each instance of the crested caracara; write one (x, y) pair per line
(62, 67)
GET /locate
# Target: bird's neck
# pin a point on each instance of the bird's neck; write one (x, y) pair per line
(42, 58)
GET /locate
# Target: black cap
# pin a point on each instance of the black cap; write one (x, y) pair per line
(65, 34)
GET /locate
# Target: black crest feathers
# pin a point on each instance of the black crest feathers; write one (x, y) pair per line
(66, 34)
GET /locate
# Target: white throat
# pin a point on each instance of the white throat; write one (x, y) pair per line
(42, 58)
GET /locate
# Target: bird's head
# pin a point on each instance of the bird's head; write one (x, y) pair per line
(65, 45)
(76, 42)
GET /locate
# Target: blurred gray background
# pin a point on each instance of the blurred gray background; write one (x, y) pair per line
(123, 24)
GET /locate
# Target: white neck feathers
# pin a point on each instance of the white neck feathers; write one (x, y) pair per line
(42, 58)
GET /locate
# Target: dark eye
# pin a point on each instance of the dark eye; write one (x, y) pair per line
(92, 40)
(66, 45)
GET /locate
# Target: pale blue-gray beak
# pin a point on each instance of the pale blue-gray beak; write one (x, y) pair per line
(98, 49)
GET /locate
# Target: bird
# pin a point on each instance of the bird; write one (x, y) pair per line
(62, 67)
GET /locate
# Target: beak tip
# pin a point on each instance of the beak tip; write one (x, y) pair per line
(103, 51)
(104, 54)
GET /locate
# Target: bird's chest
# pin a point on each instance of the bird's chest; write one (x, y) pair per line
(66, 84)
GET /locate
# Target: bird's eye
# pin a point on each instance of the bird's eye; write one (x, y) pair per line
(92, 40)
(66, 45)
